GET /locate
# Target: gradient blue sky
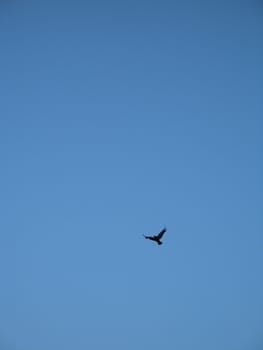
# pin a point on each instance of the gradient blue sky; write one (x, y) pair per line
(117, 118)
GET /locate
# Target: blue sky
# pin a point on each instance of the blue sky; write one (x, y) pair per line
(119, 118)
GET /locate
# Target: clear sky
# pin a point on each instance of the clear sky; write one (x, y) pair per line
(119, 118)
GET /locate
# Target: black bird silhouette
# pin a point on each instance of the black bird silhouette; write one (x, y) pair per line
(157, 238)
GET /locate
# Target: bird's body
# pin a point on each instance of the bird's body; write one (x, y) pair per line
(157, 238)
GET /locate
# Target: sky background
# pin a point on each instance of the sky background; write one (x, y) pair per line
(118, 118)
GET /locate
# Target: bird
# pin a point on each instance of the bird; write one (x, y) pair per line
(157, 237)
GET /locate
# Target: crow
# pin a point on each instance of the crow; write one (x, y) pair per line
(157, 238)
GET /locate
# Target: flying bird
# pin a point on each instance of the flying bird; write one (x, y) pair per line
(157, 238)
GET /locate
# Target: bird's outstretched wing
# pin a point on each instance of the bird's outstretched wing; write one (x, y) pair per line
(160, 234)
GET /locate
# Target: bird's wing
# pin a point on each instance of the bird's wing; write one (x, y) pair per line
(160, 234)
